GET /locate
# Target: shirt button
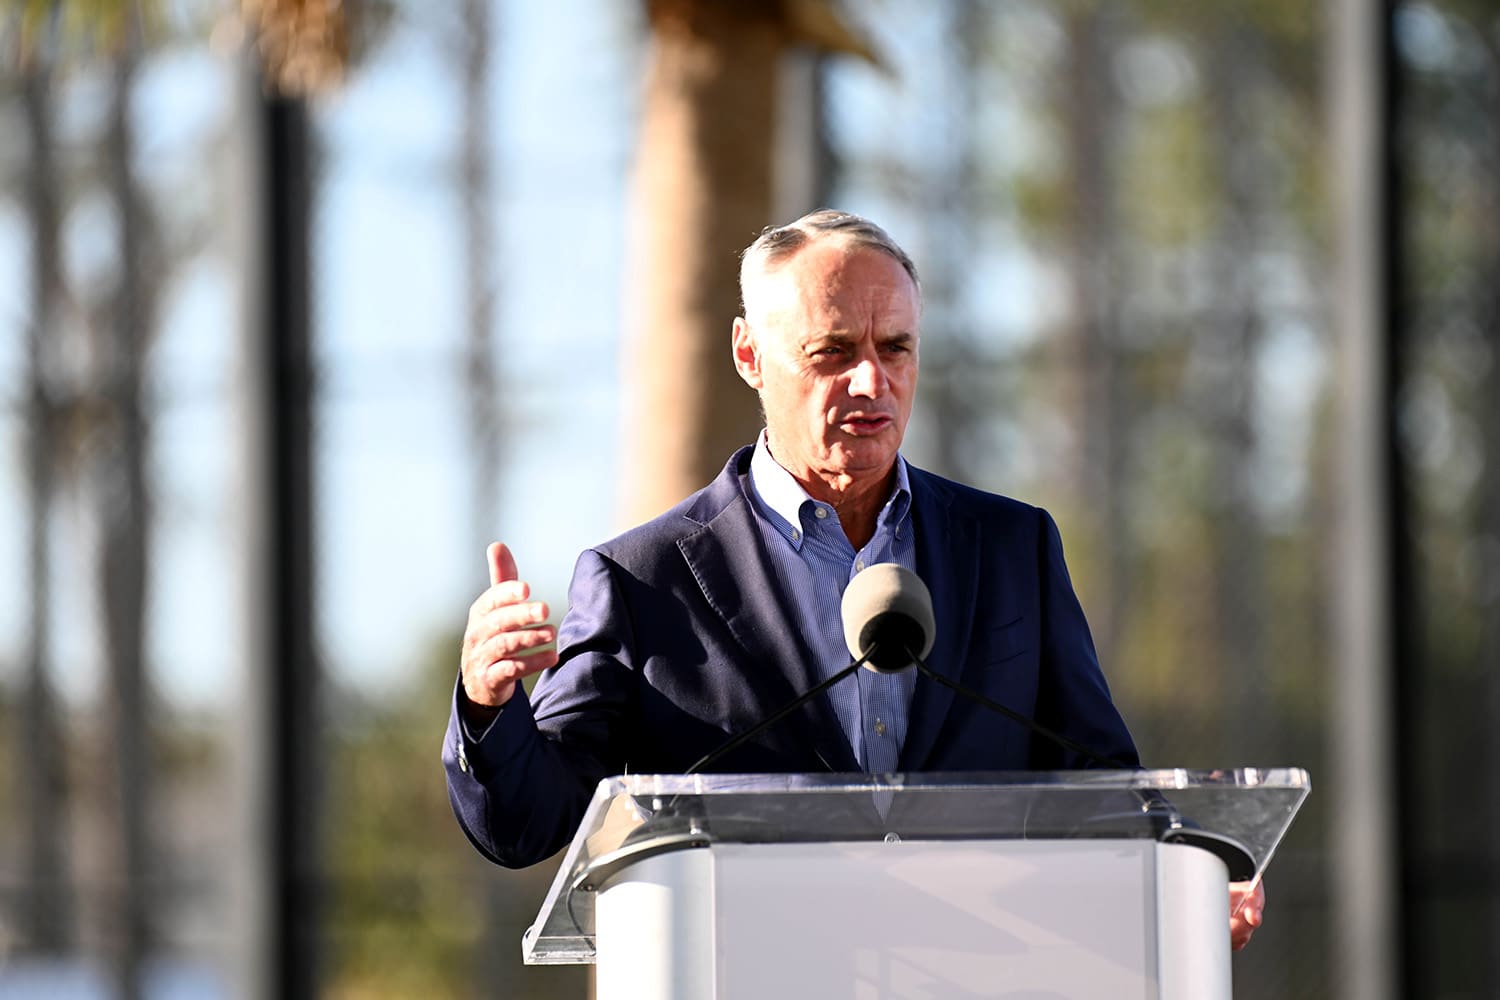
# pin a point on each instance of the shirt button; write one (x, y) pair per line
(796, 535)
(859, 565)
(879, 728)
(820, 512)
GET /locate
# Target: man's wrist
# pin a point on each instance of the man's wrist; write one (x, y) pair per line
(476, 717)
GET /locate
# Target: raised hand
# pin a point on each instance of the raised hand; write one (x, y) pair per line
(507, 637)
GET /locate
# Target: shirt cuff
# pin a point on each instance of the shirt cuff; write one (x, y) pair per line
(474, 720)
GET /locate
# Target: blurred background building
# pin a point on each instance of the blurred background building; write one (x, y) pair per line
(301, 303)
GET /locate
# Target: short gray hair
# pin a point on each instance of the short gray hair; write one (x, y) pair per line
(777, 244)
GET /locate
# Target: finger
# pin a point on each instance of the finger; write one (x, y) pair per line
(1246, 895)
(1247, 912)
(503, 594)
(516, 645)
(502, 563)
(509, 618)
(511, 671)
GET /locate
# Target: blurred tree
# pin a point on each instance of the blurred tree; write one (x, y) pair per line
(1095, 389)
(481, 275)
(303, 44)
(703, 189)
(40, 755)
(122, 496)
(53, 31)
(1233, 63)
(954, 357)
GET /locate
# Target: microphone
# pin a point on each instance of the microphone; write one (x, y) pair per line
(887, 611)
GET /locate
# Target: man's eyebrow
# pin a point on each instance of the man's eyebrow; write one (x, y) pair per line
(829, 337)
(841, 338)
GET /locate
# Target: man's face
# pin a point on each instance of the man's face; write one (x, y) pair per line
(830, 343)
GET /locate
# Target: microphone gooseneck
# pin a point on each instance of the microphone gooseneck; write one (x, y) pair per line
(994, 706)
(771, 720)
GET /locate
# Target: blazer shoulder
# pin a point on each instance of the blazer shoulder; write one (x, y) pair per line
(962, 499)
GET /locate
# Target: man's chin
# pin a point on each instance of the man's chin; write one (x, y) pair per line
(863, 457)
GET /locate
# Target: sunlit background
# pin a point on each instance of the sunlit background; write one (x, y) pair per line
(1218, 283)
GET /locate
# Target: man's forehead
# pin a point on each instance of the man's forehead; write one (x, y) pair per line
(831, 275)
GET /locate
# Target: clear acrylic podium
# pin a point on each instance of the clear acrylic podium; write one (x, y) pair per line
(1078, 884)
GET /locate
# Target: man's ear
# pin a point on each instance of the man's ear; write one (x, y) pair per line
(746, 353)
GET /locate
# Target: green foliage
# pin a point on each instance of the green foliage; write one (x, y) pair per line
(57, 31)
(1168, 191)
(414, 909)
(401, 922)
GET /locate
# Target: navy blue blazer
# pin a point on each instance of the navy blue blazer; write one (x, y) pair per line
(676, 638)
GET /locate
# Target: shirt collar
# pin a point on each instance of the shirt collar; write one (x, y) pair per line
(784, 498)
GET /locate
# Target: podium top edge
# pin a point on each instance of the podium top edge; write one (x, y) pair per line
(1287, 778)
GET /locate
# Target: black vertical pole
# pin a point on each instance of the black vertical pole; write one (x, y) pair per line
(290, 670)
(1405, 706)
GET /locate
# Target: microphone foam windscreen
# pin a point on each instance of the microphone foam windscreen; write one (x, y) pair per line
(886, 589)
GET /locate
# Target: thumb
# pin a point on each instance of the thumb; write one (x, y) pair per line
(502, 563)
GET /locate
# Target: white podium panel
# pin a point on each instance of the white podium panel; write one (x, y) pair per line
(1126, 920)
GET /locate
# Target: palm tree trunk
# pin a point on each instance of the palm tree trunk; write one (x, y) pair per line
(703, 189)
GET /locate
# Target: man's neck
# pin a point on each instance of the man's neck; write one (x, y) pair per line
(857, 500)
(858, 515)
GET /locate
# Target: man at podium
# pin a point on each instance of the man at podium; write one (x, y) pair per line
(704, 622)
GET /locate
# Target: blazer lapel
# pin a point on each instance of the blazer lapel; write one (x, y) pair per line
(728, 561)
(948, 562)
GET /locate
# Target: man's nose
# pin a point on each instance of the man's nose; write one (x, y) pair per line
(867, 378)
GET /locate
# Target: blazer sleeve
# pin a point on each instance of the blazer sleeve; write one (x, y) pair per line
(519, 789)
(1073, 696)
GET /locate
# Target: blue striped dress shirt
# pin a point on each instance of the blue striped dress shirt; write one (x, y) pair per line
(814, 561)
